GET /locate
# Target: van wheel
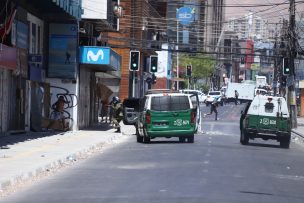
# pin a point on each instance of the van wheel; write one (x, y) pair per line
(244, 139)
(146, 139)
(191, 139)
(285, 143)
(182, 139)
(139, 138)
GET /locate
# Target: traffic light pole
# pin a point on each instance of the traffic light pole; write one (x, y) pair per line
(133, 83)
(177, 56)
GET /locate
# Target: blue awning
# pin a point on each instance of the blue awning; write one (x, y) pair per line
(100, 58)
(72, 7)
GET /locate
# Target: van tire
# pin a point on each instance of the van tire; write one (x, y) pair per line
(285, 143)
(139, 138)
(182, 139)
(146, 139)
(244, 139)
(191, 139)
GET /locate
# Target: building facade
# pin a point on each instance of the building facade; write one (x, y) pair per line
(26, 63)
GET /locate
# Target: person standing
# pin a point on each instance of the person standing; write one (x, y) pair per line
(236, 96)
(117, 113)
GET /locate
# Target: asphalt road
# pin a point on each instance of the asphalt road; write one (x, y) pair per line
(216, 168)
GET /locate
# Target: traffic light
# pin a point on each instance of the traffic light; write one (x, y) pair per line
(153, 64)
(134, 60)
(286, 68)
(189, 70)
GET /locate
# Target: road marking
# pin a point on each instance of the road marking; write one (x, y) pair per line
(289, 177)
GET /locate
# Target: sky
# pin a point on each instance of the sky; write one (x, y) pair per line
(271, 13)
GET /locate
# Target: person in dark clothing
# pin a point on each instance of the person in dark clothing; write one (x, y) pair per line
(117, 113)
(236, 97)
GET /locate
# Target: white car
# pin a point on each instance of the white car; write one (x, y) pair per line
(214, 95)
(201, 96)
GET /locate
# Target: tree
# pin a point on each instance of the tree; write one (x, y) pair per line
(202, 65)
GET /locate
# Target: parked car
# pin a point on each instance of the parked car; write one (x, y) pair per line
(266, 117)
(164, 115)
(201, 96)
(212, 95)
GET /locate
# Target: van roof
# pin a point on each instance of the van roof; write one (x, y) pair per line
(168, 93)
(156, 91)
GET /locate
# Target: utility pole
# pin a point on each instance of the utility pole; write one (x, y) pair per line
(291, 55)
(275, 72)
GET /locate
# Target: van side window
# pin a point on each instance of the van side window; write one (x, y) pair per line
(269, 107)
(170, 103)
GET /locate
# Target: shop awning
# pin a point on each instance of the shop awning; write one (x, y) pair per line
(100, 58)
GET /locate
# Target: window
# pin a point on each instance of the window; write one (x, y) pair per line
(269, 107)
(170, 103)
(36, 34)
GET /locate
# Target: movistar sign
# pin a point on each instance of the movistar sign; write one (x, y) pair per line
(99, 56)
(95, 55)
(185, 15)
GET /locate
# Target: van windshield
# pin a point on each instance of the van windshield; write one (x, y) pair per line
(170, 103)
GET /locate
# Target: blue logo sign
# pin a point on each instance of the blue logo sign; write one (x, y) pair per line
(95, 55)
(185, 15)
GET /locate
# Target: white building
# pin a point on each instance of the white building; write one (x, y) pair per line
(249, 27)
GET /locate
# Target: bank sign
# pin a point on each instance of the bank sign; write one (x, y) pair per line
(185, 15)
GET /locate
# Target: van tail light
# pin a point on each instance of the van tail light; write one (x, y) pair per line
(193, 116)
(148, 117)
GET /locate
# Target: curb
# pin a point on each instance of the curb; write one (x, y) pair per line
(297, 133)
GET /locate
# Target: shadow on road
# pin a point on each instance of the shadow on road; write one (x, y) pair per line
(11, 139)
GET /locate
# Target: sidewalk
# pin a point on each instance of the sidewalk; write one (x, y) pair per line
(26, 157)
(300, 129)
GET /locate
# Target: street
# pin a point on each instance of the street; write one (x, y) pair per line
(216, 168)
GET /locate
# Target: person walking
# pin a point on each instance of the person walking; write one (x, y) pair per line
(236, 97)
(117, 113)
(213, 108)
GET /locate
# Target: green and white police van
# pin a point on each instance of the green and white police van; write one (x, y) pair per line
(266, 117)
(164, 114)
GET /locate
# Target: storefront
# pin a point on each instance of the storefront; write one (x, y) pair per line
(99, 81)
